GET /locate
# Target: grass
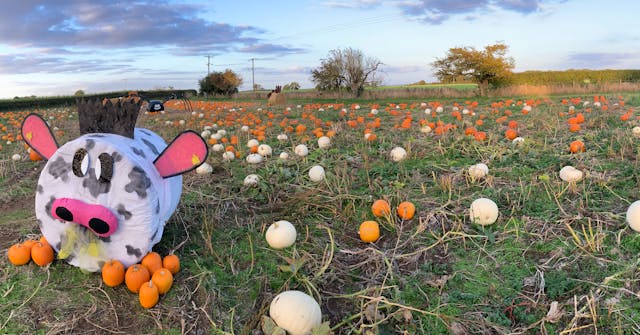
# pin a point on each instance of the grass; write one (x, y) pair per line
(560, 259)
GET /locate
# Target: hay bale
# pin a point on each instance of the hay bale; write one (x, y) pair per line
(276, 99)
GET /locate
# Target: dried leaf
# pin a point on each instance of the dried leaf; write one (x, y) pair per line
(322, 329)
(555, 313)
(269, 327)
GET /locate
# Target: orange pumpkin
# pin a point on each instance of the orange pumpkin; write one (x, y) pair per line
(510, 134)
(148, 295)
(113, 273)
(162, 279)
(152, 261)
(576, 146)
(369, 231)
(406, 210)
(172, 263)
(136, 275)
(380, 208)
(33, 156)
(42, 253)
(480, 136)
(19, 254)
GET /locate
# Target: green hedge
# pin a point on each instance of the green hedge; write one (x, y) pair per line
(47, 102)
(575, 77)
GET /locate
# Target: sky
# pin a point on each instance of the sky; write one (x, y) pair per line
(57, 47)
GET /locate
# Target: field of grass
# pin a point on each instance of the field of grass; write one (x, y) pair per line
(560, 259)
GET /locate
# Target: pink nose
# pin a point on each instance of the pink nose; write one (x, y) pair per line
(95, 217)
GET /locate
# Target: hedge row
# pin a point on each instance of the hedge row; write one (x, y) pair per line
(575, 77)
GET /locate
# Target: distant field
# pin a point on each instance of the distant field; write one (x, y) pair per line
(560, 259)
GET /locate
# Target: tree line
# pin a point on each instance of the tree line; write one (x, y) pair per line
(350, 70)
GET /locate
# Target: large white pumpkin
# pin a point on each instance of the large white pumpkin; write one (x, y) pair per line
(301, 150)
(205, 168)
(483, 211)
(264, 150)
(281, 234)
(296, 312)
(478, 171)
(633, 216)
(316, 173)
(571, 174)
(324, 142)
(397, 154)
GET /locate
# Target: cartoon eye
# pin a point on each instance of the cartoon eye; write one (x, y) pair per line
(80, 163)
(104, 168)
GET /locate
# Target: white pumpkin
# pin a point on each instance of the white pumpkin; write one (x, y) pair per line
(228, 156)
(205, 134)
(296, 312)
(254, 159)
(483, 211)
(252, 143)
(316, 173)
(301, 150)
(478, 171)
(636, 131)
(324, 142)
(205, 168)
(222, 132)
(217, 136)
(282, 137)
(16, 157)
(264, 150)
(244, 129)
(425, 129)
(251, 180)
(397, 154)
(284, 155)
(518, 140)
(217, 147)
(281, 234)
(439, 109)
(570, 174)
(633, 215)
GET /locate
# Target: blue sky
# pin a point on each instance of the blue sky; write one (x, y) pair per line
(59, 46)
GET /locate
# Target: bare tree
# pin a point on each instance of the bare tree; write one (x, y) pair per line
(348, 68)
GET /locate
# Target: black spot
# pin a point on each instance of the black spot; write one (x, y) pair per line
(47, 207)
(124, 212)
(157, 206)
(146, 132)
(90, 144)
(138, 152)
(116, 156)
(154, 234)
(96, 135)
(64, 213)
(133, 251)
(98, 226)
(151, 146)
(59, 169)
(40, 189)
(95, 186)
(139, 182)
(76, 165)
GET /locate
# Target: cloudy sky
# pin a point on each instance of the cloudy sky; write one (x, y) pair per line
(56, 47)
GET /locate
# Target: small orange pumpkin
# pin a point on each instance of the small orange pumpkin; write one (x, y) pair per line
(148, 295)
(152, 261)
(576, 146)
(406, 210)
(380, 208)
(172, 263)
(369, 231)
(33, 156)
(113, 273)
(510, 134)
(136, 275)
(19, 254)
(42, 253)
(162, 279)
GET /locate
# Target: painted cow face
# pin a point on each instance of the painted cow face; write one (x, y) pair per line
(106, 196)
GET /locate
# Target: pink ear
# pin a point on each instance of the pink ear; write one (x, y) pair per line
(38, 135)
(185, 153)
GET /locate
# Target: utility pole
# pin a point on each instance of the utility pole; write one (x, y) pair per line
(208, 64)
(253, 80)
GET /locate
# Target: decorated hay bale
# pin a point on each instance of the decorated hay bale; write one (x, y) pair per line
(276, 97)
(108, 193)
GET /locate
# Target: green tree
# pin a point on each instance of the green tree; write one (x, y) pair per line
(222, 83)
(79, 93)
(347, 69)
(490, 66)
